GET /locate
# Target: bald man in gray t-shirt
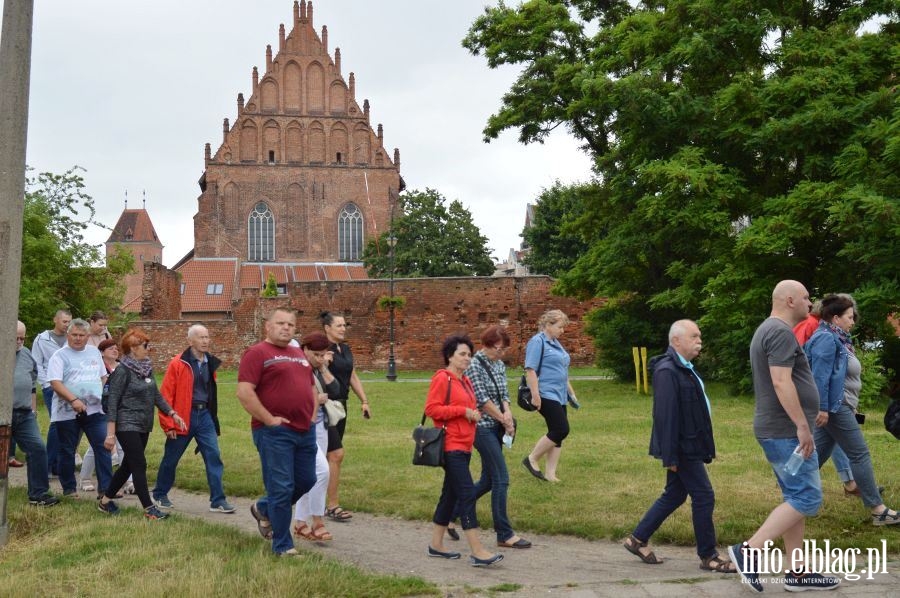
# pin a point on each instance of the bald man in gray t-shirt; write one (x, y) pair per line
(774, 344)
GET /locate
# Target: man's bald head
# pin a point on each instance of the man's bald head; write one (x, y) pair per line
(790, 302)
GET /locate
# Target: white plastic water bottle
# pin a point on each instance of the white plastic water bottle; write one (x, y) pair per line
(792, 466)
(507, 441)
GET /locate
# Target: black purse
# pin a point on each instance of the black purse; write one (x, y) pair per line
(429, 449)
(523, 397)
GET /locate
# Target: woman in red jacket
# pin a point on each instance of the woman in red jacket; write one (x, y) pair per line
(451, 404)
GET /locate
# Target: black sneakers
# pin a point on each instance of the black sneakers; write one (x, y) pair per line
(47, 500)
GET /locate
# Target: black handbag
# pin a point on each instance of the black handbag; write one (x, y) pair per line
(429, 449)
(523, 397)
(429, 446)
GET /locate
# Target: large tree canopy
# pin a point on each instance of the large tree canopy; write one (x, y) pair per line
(432, 239)
(555, 237)
(59, 269)
(736, 143)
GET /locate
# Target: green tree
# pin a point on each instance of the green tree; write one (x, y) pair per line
(431, 239)
(59, 269)
(735, 144)
(271, 287)
(556, 238)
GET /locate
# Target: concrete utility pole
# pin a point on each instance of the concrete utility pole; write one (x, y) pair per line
(15, 76)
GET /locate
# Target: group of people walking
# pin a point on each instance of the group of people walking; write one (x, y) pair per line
(806, 381)
(106, 391)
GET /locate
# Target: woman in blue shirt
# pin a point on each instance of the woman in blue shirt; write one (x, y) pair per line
(547, 375)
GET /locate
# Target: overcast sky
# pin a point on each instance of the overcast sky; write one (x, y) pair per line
(131, 91)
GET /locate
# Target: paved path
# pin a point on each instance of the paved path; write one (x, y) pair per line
(555, 565)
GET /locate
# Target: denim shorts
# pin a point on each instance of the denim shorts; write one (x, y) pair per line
(802, 491)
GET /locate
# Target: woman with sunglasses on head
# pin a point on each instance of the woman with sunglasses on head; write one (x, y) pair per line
(335, 328)
(132, 396)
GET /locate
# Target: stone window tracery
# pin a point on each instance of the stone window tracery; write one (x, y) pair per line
(350, 233)
(261, 234)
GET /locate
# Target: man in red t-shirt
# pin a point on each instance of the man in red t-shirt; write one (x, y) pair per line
(275, 386)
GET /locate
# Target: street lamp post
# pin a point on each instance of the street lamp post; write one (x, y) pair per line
(392, 240)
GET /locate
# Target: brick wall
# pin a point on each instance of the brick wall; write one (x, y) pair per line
(160, 292)
(435, 308)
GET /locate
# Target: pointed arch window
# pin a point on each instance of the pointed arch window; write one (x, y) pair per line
(261, 234)
(350, 233)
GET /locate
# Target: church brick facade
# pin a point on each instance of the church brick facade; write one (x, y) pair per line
(301, 176)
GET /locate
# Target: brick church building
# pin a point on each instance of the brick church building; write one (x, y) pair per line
(298, 184)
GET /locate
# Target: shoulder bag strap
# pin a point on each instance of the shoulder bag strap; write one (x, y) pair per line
(537, 372)
(484, 366)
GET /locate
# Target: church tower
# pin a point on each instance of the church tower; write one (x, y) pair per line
(134, 231)
(300, 176)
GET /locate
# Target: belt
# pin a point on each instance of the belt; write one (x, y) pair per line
(199, 406)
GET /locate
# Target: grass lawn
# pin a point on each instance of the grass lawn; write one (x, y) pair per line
(608, 483)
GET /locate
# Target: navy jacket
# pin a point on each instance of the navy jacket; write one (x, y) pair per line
(682, 428)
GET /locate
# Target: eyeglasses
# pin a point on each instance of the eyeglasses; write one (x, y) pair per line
(20, 338)
(147, 346)
(499, 348)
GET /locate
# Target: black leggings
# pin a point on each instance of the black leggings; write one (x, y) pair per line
(134, 464)
(557, 421)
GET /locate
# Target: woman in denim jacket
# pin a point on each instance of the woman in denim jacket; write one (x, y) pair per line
(836, 371)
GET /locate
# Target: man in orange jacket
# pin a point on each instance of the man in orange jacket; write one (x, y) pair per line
(190, 388)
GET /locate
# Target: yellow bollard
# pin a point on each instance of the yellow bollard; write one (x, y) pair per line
(637, 369)
(644, 360)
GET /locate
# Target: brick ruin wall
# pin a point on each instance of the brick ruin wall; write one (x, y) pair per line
(434, 308)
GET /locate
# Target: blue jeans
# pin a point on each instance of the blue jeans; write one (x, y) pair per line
(458, 488)
(802, 491)
(843, 430)
(288, 460)
(27, 435)
(494, 478)
(52, 439)
(841, 464)
(690, 479)
(204, 430)
(94, 427)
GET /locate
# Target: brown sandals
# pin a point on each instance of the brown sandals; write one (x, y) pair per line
(717, 564)
(633, 545)
(316, 533)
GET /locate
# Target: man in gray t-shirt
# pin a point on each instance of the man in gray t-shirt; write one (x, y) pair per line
(787, 403)
(774, 344)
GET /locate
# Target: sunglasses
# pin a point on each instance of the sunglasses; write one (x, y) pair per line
(147, 346)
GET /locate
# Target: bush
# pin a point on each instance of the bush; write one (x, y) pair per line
(875, 380)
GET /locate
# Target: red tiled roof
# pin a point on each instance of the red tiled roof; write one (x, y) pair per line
(305, 273)
(198, 273)
(335, 272)
(134, 226)
(196, 276)
(250, 278)
(281, 272)
(357, 273)
(134, 292)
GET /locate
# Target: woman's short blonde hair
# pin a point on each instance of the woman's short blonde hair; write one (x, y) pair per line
(553, 316)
